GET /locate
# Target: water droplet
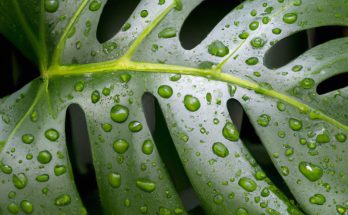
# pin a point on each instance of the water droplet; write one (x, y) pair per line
(42, 178)
(52, 134)
(44, 157)
(284, 170)
(13, 208)
(322, 138)
(165, 91)
(175, 77)
(109, 47)
(144, 13)
(20, 180)
(220, 150)
(276, 31)
(107, 127)
(6, 169)
(28, 138)
(178, 4)
(167, 33)
(307, 83)
(310, 171)
(242, 211)
(120, 146)
(265, 192)
(218, 199)
(126, 26)
(295, 124)
(341, 210)
(252, 61)
(254, 25)
(79, 86)
(125, 78)
(260, 175)
(290, 18)
(27, 207)
(257, 42)
(135, 126)
(34, 116)
(51, 6)
(146, 185)
(247, 184)
(191, 103)
(62, 200)
(340, 137)
(178, 211)
(297, 68)
(264, 120)
(243, 35)
(59, 170)
(119, 113)
(317, 199)
(95, 5)
(281, 106)
(95, 96)
(148, 147)
(114, 180)
(217, 48)
(297, 2)
(230, 132)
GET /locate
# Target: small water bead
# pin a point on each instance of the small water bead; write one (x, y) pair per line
(6, 169)
(167, 33)
(341, 210)
(161, 2)
(114, 180)
(44, 157)
(126, 26)
(276, 31)
(175, 77)
(135, 126)
(218, 199)
(295, 124)
(52, 134)
(297, 68)
(243, 35)
(120, 146)
(247, 184)
(265, 192)
(178, 211)
(322, 138)
(317, 199)
(20, 180)
(28, 138)
(254, 25)
(230, 132)
(59, 170)
(148, 147)
(252, 61)
(34, 116)
(281, 106)
(143, 209)
(257, 42)
(146, 185)
(178, 5)
(51, 6)
(220, 150)
(95, 96)
(144, 13)
(79, 86)
(266, 20)
(107, 127)
(242, 211)
(290, 18)
(307, 83)
(264, 120)
(109, 47)
(106, 91)
(340, 137)
(27, 207)
(95, 5)
(165, 91)
(62, 200)
(260, 175)
(310, 171)
(192, 103)
(119, 113)
(13, 208)
(284, 170)
(217, 48)
(42, 178)
(297, 2)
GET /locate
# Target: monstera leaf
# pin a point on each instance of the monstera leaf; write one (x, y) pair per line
(305, 133)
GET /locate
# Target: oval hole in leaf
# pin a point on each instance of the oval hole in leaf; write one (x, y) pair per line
(113, 17)
(169, 155)
(253, 143)
(289, 48)
(333, 83)
(80, 156)
(16, 69)
(203, 19)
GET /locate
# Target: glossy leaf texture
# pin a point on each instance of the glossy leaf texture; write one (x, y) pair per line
(304, 133)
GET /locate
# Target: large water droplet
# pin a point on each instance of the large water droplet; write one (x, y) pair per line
(247, 184)
(217, 48)
(165, 91)
(20, 180)
(230, 132)
(147, 147)
(62, 200)
(257, 42)
(27, 207)
(119, 113)
(51, 6)
(52, 134)
(95, 96)
(94, 5)
(295, 124)
(42, 178)
(167, 33)
(59, 170)
(120, 146)
(290, 18)
(317, 199)
(146, 185)
(192, 103)
(340, 137)
(6, 169)
(252, 61)
(28, 138)
(310, 171)
(264, 120)
(322, 138)
(44, 157)
(135, 126)
(13, 208)
(114, 180)
(220, 150)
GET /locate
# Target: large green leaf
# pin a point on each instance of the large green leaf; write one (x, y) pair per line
(305, 133)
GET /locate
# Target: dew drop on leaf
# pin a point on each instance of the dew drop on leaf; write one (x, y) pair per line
(119, 113)
(220, 150)
(243, 35)
(51, 6)
(252, 61)
(95, 96)
(114, 180)
(257, 42)
(42, 178)
(27, 138)
(62, 200)
(218, 199)
(297, 68)
(79, 86)
(307, 83)
(276, 31)
(52, 134)
(165, 91)
(107, 127)
(148, 147)
(317, 199)
(290, 18)
(310, 171)
(135, 126)
(247, 184)
(146, 185)
(254, 25)
(340, 137)
(264, 120)
(6, 169)
(295, 124)
(27, 207)
(167, 33)
(192, 103)
(13, 208)
(59, 170)
(44, 157)
(120, 146)
(230, 132)
(144, 13)
(94, 5)
(217, 48)
(20, 180)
